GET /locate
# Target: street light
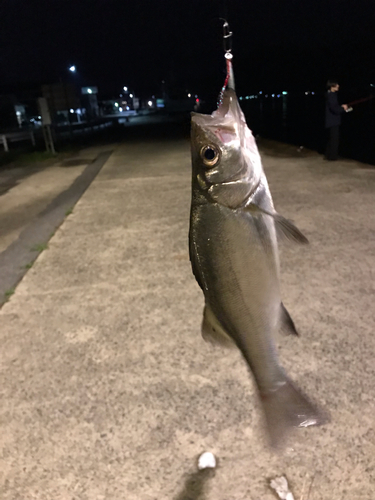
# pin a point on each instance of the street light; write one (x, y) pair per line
(125, 89)
(72, 69)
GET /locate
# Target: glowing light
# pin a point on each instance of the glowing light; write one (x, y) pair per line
(89, 91)
(260, 92)
(197, 100)
(189, 95)
(285, 93)
(116, 104)
(131, 96)
(120, 109)
(306, 93)
(71, 110)
(72, 69)
(125, 89)
(241, 98)
(273, 95)
(127, 108)
(313, 93)
(149, 103)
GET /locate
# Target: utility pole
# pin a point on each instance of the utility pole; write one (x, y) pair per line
(46, 124)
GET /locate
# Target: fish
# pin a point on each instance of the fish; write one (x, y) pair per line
(233, 247)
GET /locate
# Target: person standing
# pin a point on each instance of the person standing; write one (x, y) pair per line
(333, 119)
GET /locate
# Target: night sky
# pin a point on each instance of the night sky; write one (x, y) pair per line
(277, 45)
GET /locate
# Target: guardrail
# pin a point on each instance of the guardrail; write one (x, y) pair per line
(15, 137)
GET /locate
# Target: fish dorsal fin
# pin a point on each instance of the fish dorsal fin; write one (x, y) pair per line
(213, 331)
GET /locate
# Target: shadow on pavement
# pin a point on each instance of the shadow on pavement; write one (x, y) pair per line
(195, 487)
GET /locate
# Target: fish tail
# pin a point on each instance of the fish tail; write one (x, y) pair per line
(288, 407)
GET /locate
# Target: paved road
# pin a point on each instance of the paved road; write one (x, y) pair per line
(108, 391)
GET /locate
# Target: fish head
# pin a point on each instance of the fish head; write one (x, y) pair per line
(226, 161)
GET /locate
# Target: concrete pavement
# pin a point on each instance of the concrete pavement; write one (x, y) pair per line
(108, 390)
(34, 201)
(28, 189)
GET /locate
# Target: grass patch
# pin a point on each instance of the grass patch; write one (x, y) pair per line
(69, 211)
(18, 158)
(9, 292)
(29, 265)
(9, 157)
(35, 156)
(40, 247)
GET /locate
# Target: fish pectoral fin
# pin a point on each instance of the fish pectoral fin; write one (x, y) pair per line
(284, 227)
(213, 331)
(286, 323)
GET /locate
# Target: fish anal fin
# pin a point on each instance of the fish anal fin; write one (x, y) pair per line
(287, 325)
(285, 228)
(213, 331)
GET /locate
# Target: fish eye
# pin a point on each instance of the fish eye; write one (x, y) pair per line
(210, 155)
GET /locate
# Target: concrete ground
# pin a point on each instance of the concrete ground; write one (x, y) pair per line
(26, 190)
(108, 391)
(35, 201)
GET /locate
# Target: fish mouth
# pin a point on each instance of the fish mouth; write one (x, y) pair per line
(227, 122)
(239, 170)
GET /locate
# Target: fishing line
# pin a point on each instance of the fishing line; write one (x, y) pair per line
(229, 79)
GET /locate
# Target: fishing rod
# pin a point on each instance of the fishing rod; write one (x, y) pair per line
(358, 101)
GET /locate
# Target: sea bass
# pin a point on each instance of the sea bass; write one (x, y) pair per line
(234, 256)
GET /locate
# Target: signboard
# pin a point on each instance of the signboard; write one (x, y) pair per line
(44, 111)
(60, 96)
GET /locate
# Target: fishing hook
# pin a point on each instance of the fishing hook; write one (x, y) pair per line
(229, 80)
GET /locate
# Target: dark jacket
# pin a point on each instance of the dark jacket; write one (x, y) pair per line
(333, 110)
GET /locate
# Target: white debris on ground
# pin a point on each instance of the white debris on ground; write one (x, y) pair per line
(207, 461)
(280, 485)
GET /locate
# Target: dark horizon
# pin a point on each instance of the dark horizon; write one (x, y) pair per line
(114, 43)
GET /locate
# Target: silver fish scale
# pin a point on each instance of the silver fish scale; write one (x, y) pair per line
(234, 257)
(242, 282)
